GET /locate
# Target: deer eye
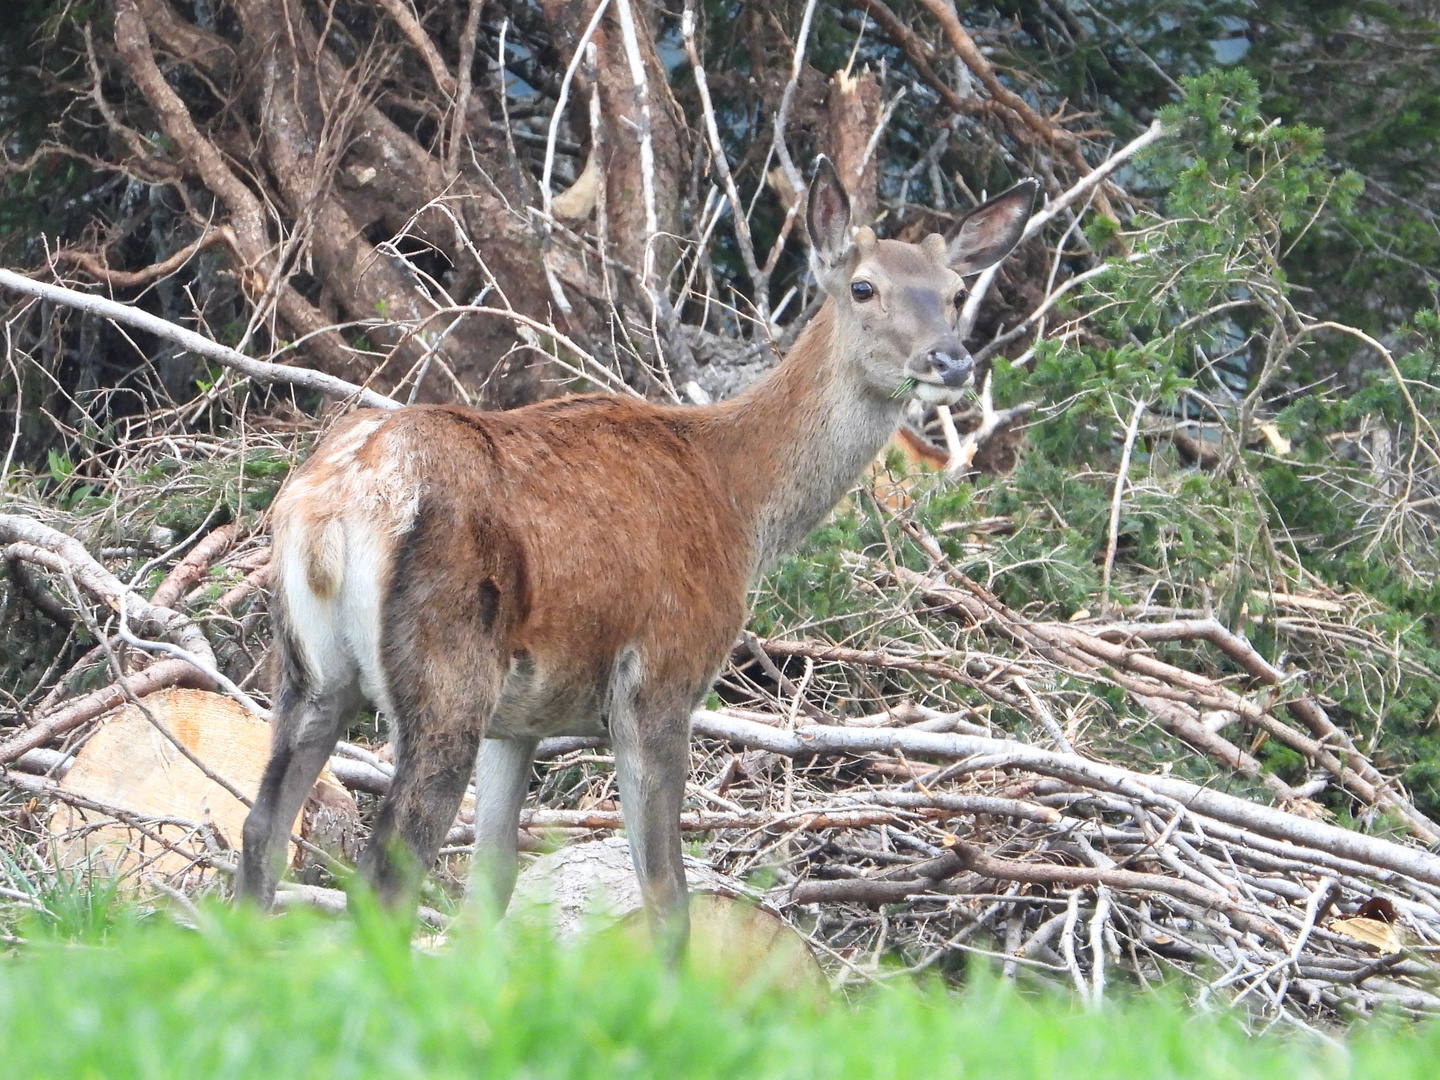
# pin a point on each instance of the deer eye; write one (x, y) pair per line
(862, 291)
(959, 300)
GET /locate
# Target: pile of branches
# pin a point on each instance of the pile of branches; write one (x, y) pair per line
(901, 840)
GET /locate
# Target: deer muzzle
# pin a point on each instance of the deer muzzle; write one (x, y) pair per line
(948, 364)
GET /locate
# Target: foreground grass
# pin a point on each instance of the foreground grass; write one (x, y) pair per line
(246, 997)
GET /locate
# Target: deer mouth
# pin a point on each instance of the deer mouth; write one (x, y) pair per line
(934, 392)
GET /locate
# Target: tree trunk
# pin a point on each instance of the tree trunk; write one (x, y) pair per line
(340, 214)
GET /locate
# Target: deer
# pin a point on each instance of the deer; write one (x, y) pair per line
(580, 566)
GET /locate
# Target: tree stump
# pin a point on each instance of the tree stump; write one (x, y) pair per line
(592, 887)
(180, 815)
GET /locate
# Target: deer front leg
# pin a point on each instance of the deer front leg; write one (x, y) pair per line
(652, 761)
(501, 780)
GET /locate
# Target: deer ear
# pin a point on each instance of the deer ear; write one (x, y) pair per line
(827, 214)
(991, 231)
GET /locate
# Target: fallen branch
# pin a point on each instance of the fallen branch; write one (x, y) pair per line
(81, 710)
(260, 370)
(33, 542)
(1173, 694)
(1304, 707)
(195, 565)
(972, 858)
(1164, 791)
(703, 821)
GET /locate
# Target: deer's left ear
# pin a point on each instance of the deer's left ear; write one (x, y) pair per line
(991, 230)
(827, 214)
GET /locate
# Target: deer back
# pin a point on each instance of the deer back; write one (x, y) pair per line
(568, 530)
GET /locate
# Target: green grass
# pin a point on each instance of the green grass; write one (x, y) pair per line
(246, 997)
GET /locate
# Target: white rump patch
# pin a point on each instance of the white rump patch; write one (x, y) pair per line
(337, 526)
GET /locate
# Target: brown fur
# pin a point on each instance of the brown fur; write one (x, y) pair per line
(638, 553)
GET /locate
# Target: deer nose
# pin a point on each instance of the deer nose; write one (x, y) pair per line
(951, 364)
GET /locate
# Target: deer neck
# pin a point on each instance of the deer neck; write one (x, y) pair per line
(792, 444)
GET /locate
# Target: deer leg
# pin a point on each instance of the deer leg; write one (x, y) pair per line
(502, 779)
(433, 766)
(445, 659)
(307, 727)
(652, 761)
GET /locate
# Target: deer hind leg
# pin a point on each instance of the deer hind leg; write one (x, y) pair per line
(308, 723)
(456, 592)
(441, 711)
(652, 761)
(444, 673)
(432, 770)
(501, 780)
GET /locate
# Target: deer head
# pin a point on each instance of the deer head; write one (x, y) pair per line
(896, 304)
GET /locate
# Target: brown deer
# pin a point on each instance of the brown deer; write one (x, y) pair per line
(579, 566)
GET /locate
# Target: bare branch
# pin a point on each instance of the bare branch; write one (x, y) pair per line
(1165, 791)
(260, 370)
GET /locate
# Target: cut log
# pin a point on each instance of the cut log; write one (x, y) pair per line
(592, 887)
(180, 814)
